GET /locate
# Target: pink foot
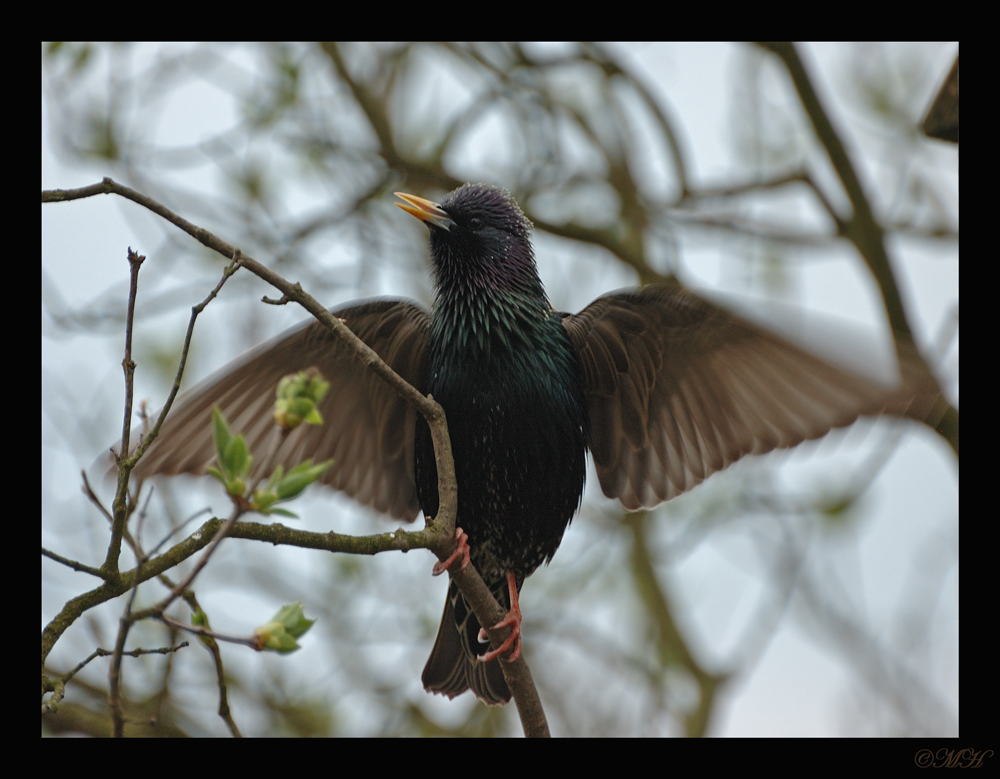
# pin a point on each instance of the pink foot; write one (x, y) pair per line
(461, 550)
(513, 619)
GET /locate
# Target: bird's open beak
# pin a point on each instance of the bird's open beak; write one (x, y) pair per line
(425, 210)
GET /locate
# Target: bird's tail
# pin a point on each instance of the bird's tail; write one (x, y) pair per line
(453, 666)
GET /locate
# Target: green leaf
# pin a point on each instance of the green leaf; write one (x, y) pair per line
(300, 477)
(200, 618)
(279, 634)
(235, 460)
(238, 457)
(221, 430)
(297, 397)
(292, 616)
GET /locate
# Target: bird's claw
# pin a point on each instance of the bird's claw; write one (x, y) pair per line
(513, 620)
(513, 640)
(461, 550)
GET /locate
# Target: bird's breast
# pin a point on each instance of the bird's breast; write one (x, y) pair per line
(518, 432)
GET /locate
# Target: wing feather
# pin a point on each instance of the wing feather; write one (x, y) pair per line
(368, 430)
(678, 388)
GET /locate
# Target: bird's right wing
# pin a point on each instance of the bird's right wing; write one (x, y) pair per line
(368, 429)
(678, 388)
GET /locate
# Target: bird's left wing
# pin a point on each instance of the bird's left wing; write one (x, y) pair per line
(368, 429)
(678, 388)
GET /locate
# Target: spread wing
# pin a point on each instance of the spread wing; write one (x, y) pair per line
(368, 429)
(677, 388)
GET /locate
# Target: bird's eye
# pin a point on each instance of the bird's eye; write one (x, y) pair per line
(475, 223)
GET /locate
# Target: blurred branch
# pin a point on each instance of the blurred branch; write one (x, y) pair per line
(941, 120)
(863, 230)
(673, 649)
(861, 227)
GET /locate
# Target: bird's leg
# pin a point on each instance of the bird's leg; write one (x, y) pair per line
(461, 550)
(513, 619)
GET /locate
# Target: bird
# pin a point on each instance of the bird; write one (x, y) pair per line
(662, 387)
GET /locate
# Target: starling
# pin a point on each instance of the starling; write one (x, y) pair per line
(662, 387)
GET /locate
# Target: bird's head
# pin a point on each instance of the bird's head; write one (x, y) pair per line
(480, 240)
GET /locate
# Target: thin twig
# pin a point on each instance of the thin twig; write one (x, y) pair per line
(72, 563)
